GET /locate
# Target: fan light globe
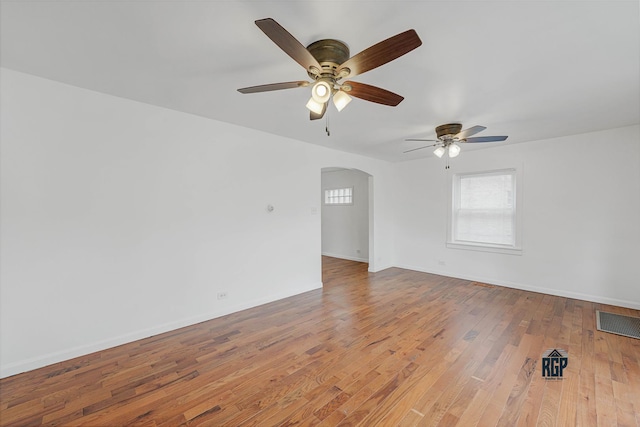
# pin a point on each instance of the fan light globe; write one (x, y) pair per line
(341, 99)
(439, 151)
(321, 92)
(314, 106)
(454, 150)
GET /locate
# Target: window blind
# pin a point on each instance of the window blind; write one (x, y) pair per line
(484, 208)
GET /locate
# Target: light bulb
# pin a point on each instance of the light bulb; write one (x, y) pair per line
(454, 150)
(314, 106)
(321, 91)
(341, 99)
(439, 151)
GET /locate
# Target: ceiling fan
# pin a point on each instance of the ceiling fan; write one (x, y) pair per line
(450, 134)
(327, 62)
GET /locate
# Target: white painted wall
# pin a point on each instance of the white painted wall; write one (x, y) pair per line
(581, 217)
(120, 220)
(345, 228)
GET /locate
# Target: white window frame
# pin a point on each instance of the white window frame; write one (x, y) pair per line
(328, 196)
(516, 248)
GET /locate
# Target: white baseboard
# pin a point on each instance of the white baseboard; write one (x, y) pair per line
(549, 291)
(371, 269)
(36, 362)
(377, 269)
(347, 257)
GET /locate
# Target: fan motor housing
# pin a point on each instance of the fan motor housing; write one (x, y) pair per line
(448, 129)
(329, 53)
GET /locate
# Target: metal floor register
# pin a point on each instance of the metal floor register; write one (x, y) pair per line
(618, 324)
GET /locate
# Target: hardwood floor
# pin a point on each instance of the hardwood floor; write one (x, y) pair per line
(392, 348)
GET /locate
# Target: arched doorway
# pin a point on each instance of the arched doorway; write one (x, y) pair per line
(346, 209)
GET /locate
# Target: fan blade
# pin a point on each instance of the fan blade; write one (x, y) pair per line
(419, 148)
(274, 86)
(381, 53)
(289, 44)
(485, 139)
(315, 116)
(471, 131)
(423, 140)
(373, 94)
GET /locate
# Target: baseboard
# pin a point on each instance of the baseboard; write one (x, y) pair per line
(549, 291)
(60, 356)
(378, 269)
(371, 269)
(349, 258)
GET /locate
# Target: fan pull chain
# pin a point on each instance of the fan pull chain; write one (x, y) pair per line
(326, 127)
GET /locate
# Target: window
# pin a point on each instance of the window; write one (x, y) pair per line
(338, 196)
(484, 211)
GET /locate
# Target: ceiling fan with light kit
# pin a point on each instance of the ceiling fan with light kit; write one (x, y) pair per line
(450, 135)
(327, 63)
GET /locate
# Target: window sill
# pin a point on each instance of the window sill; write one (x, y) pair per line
(485, 248)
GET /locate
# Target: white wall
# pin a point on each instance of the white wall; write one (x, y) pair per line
(581, 225)
(120, 220)
(345, 228)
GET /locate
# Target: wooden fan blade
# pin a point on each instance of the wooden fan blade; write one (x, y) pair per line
(274, 86)
(315, 116)
(289, 44)
(381, 53)
(419, 148)
(485, 139)
(373, 94)
(471, 131)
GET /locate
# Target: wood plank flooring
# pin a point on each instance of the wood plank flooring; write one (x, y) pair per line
(395, 348)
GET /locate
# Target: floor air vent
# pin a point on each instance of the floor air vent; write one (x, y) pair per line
(618, 324)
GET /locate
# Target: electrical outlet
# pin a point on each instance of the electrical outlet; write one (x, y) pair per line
(222, 295)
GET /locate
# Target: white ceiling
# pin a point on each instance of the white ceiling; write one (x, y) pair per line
(528, 69)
